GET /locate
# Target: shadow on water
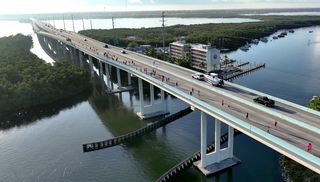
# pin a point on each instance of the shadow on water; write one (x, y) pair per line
(34, 114)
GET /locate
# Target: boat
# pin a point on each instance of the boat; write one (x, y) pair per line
(291, 31)
(283, 34)
(255, 41)
(245, 48)
(265, 40)
(275, 37)
(311, 31)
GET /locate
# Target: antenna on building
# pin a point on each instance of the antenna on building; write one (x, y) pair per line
(83, 24)
(73, 23)
(64, 24)
(163, 40)
(91, 23)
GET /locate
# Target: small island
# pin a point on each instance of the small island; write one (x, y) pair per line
(28, 82)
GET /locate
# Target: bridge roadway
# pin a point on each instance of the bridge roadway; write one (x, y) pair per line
(296, 125)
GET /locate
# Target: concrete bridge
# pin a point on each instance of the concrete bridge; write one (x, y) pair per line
(232, 105)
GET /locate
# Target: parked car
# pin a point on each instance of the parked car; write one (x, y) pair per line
(68, 39)
(198, 76)
(264, 101)
(106, 46)
(123, 52)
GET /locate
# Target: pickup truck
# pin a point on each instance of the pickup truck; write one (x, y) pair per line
(264, 101)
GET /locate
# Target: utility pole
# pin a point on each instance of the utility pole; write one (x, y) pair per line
(54, 23)
(73, 24)
(64, 24)
(83, 24)
(112, 23)
(163, 42)
(115, 40)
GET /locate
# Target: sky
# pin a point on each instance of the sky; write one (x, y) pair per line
(60, 6)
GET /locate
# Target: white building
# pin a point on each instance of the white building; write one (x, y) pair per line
(203, 57)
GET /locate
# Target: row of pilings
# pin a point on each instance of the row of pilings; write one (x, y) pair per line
(89, 147)
(190, 160)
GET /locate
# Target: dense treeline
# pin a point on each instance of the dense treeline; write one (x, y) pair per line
(26, 81)
(233, 35)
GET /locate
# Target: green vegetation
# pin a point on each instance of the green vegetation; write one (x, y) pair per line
(27, 82)
(231, 36)
(295, 171)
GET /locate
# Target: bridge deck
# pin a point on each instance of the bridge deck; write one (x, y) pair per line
(295, 125)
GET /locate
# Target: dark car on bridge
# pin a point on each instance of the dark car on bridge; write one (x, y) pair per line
(264, 101)
(106, 46)
(68, 39)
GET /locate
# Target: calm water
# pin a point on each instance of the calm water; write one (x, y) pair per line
(142, 22)
(288, 14)
(49, 148)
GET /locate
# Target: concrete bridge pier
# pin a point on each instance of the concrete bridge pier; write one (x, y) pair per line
(72, 52)
(80, 58)
(154, 109)
(119, 78)
(129, 79)
(91, 65)
(108, 76)
(219, 159)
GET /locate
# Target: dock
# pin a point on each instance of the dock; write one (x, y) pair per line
(243, 64)
(237, 74)
(89, 147)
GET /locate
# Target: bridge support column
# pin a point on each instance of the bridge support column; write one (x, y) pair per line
(101, 69)
(108, 76)
(81, 58)
(219, 159)
(119, 78)
(91, 65)
(152, 110)
(129, 79)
